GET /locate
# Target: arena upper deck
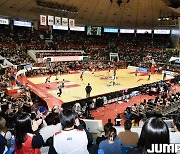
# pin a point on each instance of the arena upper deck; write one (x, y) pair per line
(129, 13)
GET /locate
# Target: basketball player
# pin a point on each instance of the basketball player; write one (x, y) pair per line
(57, 76)
(109, 70)
(115, 69)
(149, 75)
(48, 80)
(136, 72)
(164, 76)
(93, 70)
(81, 76)
(114, 78)
(60, 90)
(62, 84)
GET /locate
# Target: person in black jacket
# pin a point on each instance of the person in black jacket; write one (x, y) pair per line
(3, 144)
(88, 90)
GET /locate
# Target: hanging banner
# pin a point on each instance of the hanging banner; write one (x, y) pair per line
(50, 20)
(57, 21)
(64, 21)
(43, 20)
(71, 22)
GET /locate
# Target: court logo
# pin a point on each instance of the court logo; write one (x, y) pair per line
(164, 148)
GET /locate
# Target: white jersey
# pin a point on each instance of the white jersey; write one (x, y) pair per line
(71, 142)
(114, 77)
(48, 131)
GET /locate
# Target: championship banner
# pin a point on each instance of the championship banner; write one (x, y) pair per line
(71, 22)
(57, 21)
(43, 20)
(50, 20)
(64, 21)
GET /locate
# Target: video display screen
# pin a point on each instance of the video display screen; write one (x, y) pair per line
(129, 31)
(92, 30)
(111, 30)
(22, 23)
(162, 31)
(144, 31)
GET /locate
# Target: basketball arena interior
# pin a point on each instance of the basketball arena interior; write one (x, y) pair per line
(97, 77)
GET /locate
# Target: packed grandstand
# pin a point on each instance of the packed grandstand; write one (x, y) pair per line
(126, 119)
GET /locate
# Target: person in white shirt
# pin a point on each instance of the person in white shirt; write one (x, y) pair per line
(3, 129)
(175, 136)
(49, 130)
(70, 140)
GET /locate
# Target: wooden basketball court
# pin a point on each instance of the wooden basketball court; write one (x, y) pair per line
(100, 82)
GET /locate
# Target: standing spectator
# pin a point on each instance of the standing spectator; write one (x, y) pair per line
(154, 131)
(127, 137)
(26, 140)
(112, 145)
(88, 90)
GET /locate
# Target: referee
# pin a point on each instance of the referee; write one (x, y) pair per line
(88, 90)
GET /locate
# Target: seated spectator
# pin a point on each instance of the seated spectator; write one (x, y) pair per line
(56, 110)
(135, 120)
(128, 113)
(49, 130)
(175, 136)
(70, 140)
(127, 137)
(3, 141)
(142, 121)
(26, 140)
(107, 126)
(154, 131)
(134, 107)
(112, 145)
(118, 120)
(3, 144)
(3, 129)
